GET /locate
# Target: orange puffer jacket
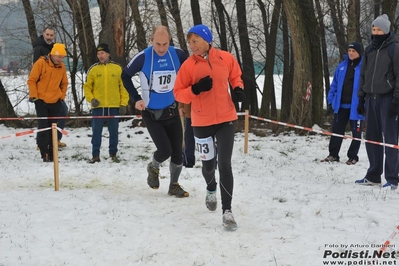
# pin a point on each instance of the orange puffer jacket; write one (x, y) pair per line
(47, 81)
(214, 106)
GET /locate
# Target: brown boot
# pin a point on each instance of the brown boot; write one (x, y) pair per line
(95, 159)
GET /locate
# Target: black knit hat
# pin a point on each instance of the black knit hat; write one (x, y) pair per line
(103, 47)
(356, 46)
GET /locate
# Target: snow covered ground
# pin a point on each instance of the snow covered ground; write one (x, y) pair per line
(291, 209)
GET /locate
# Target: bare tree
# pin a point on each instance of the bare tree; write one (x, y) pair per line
(339, 28)
(288, 71)
(196, 11)
(300, 112)
(30, 18)
(248, 70)
(173, 7)
(269, 97)
(6, 108)
(162, 13)
(84, 30)
(353, 28)
(141, 37)
(386, 7)
(326, 72)
(221, 26)
(113, 27)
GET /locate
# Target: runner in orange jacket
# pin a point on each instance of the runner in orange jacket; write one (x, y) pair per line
(204, 80)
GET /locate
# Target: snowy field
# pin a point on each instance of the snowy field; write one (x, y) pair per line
(291, 209)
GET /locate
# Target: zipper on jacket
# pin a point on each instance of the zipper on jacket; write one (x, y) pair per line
(375, 65)
(206, 57)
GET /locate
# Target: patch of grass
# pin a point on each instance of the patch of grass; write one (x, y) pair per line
(78, 156)
(142, 158)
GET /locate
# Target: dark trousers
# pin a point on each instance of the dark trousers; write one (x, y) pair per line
(61, 122)
(44, 137)
(167, 136)
(97, 125)
(383, 129)
(224, 135)
(189, 144)
(340, 122)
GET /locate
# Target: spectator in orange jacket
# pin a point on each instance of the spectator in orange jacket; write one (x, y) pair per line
(48, 83)
(204, 80)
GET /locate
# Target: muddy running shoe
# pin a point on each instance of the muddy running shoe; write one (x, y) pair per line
(114, 158)
(330, 159)
(177, 190)
(228, 220)
(211, 200)
(95, 159)
(153, 176)
(351, 161)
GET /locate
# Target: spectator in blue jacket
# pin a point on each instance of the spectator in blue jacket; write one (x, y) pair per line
(343, 100)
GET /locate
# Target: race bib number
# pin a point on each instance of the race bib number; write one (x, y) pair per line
(163, 81)
(205, 148)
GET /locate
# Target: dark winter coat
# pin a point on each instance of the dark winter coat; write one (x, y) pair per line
(380, 74)
(40, 47)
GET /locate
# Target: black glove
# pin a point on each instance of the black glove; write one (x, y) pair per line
(204, 84)
(393, 109)
(360, 106)
(95, 102)
(329, 110)
(122, 110)
(38, 101)
(238, 95)
(32, 100)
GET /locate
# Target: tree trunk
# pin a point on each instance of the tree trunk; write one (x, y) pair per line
(6, 108)
(248, 69)
(301, 111)
(288, 71)
(269, 94)
(313, 30)
(196, 12)
(323, 48)
(113, 19)
(389, 7)
(30, 18)
(141, 38)
(338, 25)
(162, 13)
(222, 31)
(175, 11)
(81, 14)
(353, 30)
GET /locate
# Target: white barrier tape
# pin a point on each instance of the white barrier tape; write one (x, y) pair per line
(67, 117)
(324, 132)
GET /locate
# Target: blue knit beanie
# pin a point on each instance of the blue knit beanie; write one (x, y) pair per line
(202, 31)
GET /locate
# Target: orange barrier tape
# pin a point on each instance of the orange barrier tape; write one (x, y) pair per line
(32, 131)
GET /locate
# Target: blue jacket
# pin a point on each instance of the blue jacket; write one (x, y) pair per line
(335, 92)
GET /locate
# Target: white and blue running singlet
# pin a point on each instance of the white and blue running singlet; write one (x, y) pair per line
(157, 78)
